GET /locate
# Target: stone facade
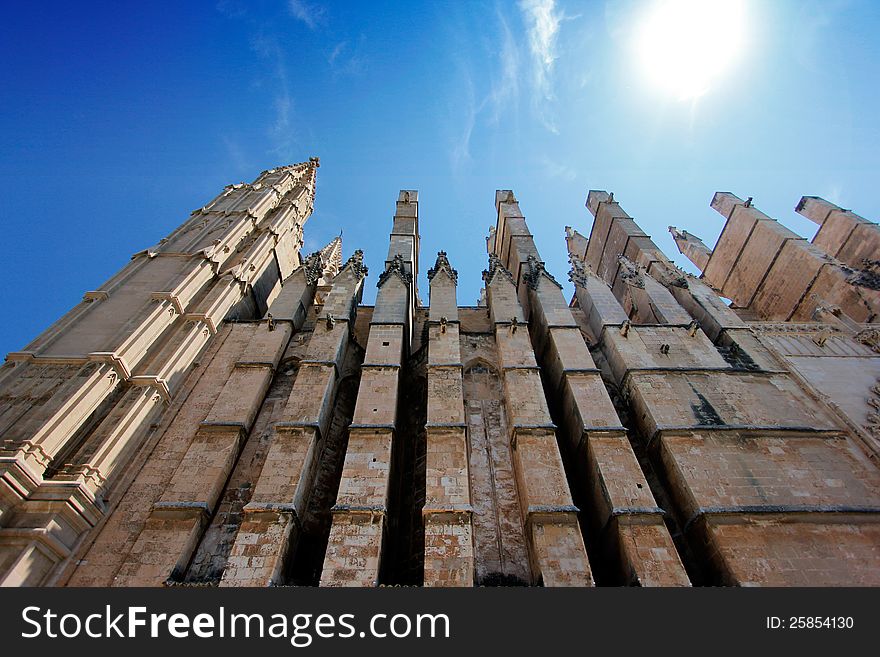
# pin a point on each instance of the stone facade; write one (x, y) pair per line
(225, 412)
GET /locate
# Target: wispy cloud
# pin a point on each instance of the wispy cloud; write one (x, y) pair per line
(833, 193)
(542, 20)
(236, 155)
(231, 8)
(503, 95)
(310, 14)
(505, 89)
(555, 169)
(337, 51)
(280, 131)
(346, 57)
(460, 153)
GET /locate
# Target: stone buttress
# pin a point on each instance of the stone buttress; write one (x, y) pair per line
(766, 483)
(625, 520)
(358, 533)
(555, 545)
(273, 516)
(449, 549)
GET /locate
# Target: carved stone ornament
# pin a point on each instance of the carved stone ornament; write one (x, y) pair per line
(356, 264)
(313, 268)
(792, 327)
(536, 270)
(867, 276)
(578, 272)
(397, 267)
(872, 425)
(442, 264)
(496, 267)
(869, 337)
(631, 272)
(670, 276)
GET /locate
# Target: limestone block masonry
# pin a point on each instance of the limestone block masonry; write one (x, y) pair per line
(224, 411)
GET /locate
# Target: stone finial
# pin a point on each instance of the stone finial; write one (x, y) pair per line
(313, 268)
(356, 263)
(724, 203)
(442, 264)
(817, 209)
(490, 240)
(822, 337)
(497, 267)
(333, 249)
(396, 267)
(536, 270)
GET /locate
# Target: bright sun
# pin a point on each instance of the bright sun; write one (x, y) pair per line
(684, 45)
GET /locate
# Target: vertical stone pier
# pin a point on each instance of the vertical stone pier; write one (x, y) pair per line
(273, 516)
(449, 549)
(360, 518)
(626, 520)
(556, 547)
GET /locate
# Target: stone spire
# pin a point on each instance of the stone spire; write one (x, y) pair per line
(442, 264)
(331, 259)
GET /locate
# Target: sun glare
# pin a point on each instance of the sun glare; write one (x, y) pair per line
(684, 45)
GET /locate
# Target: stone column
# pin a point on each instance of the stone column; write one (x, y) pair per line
(626, 519)
(556, 547)
(272, 518)
(359, 516)
(449, 546)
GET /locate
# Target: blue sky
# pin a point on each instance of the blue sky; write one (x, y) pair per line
(118, 118)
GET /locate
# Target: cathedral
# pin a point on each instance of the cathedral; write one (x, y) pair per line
(224, 411)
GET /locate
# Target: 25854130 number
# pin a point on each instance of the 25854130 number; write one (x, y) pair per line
(820, 622)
